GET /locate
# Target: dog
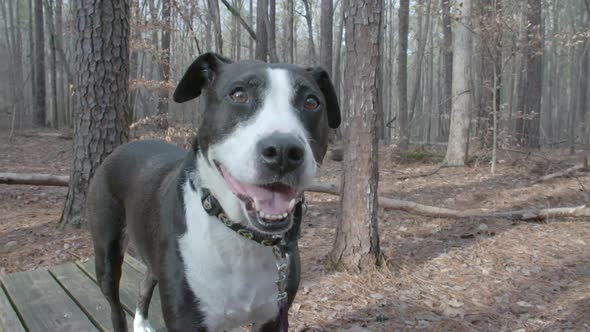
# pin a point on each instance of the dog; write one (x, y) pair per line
(203, 220)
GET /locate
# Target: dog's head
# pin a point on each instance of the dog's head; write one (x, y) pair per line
(264, 131)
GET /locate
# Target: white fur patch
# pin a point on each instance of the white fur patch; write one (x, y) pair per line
(232, 277)
(140, 324)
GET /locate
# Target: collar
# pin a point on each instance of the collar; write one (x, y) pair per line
(213, 208)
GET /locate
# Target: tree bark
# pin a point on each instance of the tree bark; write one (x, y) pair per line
(447, 97)
(326, 31)
(103, 73)
(272, 28)
(402, 75)
(531, 80)
(52, 64)
(40, 111)
(164, 97)
(457, 148)
(312, 57)
(290, 48)
(213, 6)
(356, 247)
(261, 32)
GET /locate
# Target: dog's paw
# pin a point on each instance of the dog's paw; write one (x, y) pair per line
(140, 324)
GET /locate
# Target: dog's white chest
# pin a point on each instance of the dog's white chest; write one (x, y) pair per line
(233, 278)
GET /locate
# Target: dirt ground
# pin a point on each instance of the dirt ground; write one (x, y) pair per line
(445, 275)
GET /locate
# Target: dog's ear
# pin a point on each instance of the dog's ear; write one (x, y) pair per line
(198, 75)
(325, 84)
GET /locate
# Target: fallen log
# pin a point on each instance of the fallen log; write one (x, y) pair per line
(385, 202)
(441, 212)
(34, 179)
(568, 171)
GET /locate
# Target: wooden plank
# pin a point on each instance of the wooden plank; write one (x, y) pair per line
(43, 304)
(128, 291)
(135, 263)
(86, 294)
(9, 321)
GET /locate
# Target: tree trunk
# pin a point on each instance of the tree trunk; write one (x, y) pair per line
(261, 32)
(251, 21)
(52, 64)
(326, 25)
(584, 74)
(272, 29)
(336, 77)
(32, 62)
(312, 57)
(289, 31)
(447, 97)
(356, 247)
(402, 75)
(422, 40)
(457, 148)
(213, 6)
(40, 111)
(61, 82)
(531, 79)
(163, 100)
(103, 72)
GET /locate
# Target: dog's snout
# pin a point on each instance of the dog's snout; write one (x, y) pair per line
(281, 153)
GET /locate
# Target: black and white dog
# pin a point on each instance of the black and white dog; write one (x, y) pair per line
(263, 135)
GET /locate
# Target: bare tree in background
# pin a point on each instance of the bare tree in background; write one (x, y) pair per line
(261, 32)
(163, 100)
(530, 86)
(312, 57)
(447, 96)
(289, 27)
(402, 75)
(102, 77)
(40, 108)
(462, 62)
(326, 31)
(356, 247)
(215, 17)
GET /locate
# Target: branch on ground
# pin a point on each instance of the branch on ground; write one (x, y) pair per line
(440, 212)
(385, 202)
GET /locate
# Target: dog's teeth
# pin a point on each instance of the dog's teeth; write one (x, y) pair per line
(256, 205)
(292, 204)
(285, 215)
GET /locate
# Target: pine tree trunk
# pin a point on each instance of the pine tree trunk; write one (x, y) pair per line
(272, 27)
(101, 102)
(356, 247)
(326, 31)
(457, 147)
(61, 78)
(39, 111)
(251, 22)
(402, 75)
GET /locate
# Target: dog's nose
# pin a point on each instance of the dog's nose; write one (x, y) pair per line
(281, 153)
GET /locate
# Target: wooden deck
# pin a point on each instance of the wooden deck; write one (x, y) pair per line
(67, 298)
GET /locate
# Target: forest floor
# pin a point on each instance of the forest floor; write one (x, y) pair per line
(446, 274)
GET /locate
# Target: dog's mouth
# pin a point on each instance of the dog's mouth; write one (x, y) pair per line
(269, 205)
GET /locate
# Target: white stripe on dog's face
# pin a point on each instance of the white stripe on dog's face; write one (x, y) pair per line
(276, 114)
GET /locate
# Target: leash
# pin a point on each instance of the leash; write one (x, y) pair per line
(279, 249)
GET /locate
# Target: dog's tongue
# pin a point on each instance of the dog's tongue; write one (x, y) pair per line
(266, 200)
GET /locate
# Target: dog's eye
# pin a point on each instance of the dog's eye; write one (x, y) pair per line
(311, 103)
(239, 95)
